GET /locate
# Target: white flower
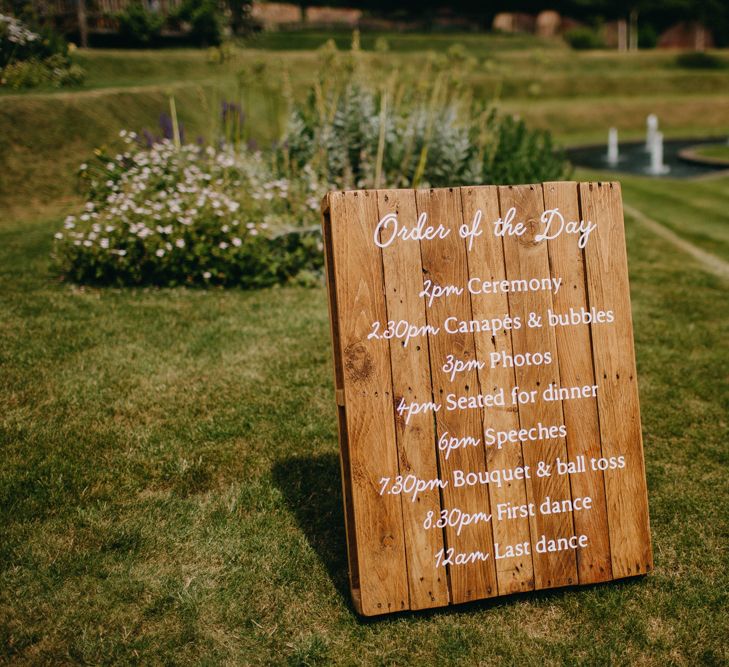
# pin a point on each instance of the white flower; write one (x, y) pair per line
(88, 243)
(237, 242)
(207, 275)
(254, 232)
(58, 236)
(222, 245)
(104, 243)
(159, 252)
(180, 243)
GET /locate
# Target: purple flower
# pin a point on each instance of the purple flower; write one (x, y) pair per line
(165, 124)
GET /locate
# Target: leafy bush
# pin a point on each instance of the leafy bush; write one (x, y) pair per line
(584, 39)
(206, 24)
(424, 145)
(139, 26)
(699, 60)
(31, 58)
(362, 128)
(517, 154)
(193, 215)
(32, 73)
(345, 149)
(647, 36)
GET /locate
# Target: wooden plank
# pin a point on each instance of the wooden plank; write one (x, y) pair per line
(486, 264)
(614, 362)
(416, 444)
(444, 263)
(574, 348)
(344, 462)
(367, 385)
(527, 258)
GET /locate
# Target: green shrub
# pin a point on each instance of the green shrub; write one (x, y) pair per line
(162, 215)
(428, 144)
(699, 60)
(54, 71)
(517, 154)
(30, 58)
(647, 36)
(24, 74)
(584, 39)
(344, 151)
(206, 23)
(361, 127)
(139, 26)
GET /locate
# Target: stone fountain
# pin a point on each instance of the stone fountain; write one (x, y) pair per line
(613, 151)
(657, 168)
(651, 123)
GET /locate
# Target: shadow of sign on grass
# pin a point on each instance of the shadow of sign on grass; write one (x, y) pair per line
(312, 489)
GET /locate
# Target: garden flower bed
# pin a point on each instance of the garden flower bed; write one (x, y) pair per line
(188, 214)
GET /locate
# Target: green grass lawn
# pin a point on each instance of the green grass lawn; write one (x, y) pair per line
(170, 488)
(718, 152)
(697, 210)
(478, 44)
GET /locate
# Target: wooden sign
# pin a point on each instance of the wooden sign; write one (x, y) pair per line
(489, 425)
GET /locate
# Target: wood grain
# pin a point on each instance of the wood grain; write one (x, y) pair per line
(344, 459)
(528, 258)
(614, 363)
(416, 444)
(486, 261)
(574, 347)
(367, 387)
(445, 263)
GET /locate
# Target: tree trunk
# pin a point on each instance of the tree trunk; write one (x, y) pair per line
(83, 28)
(633, 37)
